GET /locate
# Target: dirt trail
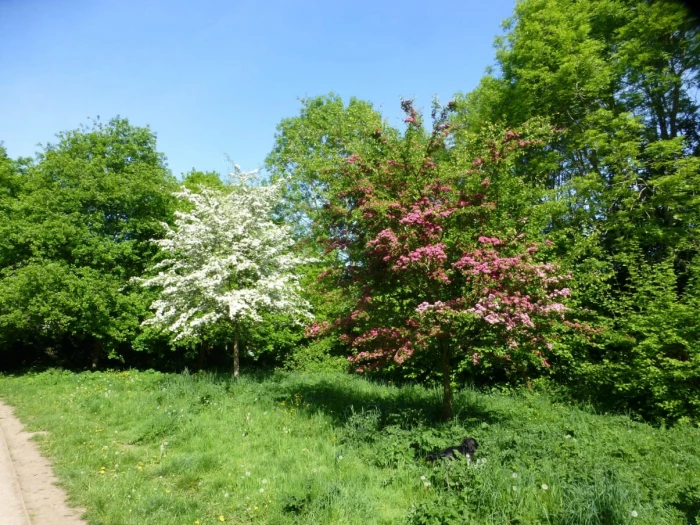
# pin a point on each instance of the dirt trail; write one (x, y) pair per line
(28, 494)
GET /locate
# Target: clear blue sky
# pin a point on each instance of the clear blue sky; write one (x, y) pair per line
(216, 77)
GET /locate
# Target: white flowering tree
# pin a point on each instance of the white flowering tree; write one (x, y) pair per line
(227, 260)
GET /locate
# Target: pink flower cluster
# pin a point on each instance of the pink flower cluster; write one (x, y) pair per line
(385, 238)
(392, 345)
(424, 307)
(427, 254)
(426, 210)
(317, 328)
(490, 240)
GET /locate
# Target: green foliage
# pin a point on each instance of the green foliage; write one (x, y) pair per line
(196, 180)
(313, 147)
(647, 359)
(319, 355)
(74, 230)
(134, 447)
(618, 80)
(269, 342)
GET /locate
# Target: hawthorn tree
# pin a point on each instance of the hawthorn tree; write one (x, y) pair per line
(227, 261)
(438, 252)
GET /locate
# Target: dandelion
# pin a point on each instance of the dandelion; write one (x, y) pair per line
(545, 486)
(515, 488)
(514, 475)
(247, 473)
(264, 481)
(340, 458)
(426, 484)
(422, 478)
(262, 490)
(634, 514)
(314, 470)
(221, 518)
(196, 522)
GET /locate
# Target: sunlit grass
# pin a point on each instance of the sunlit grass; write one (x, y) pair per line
(144, 447)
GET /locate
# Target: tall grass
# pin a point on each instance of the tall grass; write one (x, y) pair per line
(145, 447)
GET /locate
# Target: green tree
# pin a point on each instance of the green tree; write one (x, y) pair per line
(618, 79)
(74, 234)
(311, 149)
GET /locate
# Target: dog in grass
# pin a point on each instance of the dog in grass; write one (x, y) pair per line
(467, 448)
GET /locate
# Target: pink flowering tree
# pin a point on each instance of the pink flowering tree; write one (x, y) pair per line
(433, 241)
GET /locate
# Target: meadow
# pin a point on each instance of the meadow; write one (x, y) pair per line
(154, 448)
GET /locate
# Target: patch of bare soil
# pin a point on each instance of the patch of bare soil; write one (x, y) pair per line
(27, 479)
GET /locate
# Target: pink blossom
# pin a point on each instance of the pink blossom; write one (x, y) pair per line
(425, 306)
(428, 254)
(317, 328)
(490, 240)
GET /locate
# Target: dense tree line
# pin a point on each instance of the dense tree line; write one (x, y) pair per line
(565, 184)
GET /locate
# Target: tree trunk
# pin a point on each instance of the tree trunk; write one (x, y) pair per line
(235, 352)
(96, 352)
(446, 379)
(201, 357)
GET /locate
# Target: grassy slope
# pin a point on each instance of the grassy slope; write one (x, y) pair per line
(145, 447)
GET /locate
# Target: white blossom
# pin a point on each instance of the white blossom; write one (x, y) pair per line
(226, 259)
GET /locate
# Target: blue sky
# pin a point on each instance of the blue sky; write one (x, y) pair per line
(215, 77)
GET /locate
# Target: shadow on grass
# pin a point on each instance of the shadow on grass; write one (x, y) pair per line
(408, 406)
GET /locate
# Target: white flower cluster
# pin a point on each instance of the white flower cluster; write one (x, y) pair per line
(226, 259)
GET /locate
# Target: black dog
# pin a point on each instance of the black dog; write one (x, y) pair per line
(467, 448)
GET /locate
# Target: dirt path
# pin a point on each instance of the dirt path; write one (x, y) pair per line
(28, 494)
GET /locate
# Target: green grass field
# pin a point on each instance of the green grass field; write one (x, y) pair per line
(151, 448)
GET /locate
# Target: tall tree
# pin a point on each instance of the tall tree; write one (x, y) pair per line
(312, 148)
(618, 78)
(74, 233)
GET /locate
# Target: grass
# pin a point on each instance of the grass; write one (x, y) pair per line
(151, 448)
